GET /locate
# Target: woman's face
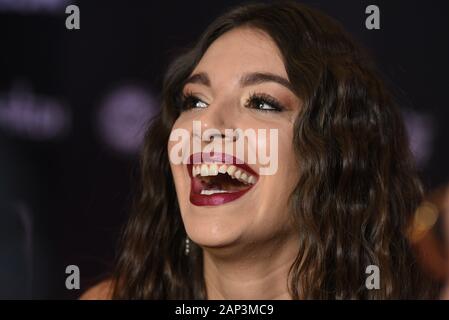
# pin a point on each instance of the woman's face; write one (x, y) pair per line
(240, 83)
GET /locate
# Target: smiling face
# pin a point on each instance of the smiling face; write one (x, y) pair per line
(240, 83)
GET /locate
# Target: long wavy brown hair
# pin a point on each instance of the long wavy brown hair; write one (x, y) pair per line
(357, 190)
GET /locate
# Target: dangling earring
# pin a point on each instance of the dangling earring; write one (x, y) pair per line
(187, 246)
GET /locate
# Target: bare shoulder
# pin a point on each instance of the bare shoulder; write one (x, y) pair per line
(100, 291)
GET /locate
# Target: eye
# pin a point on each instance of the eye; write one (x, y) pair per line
(190, 101)
(263, 102)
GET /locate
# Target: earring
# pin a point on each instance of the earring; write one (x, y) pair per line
(187, 246)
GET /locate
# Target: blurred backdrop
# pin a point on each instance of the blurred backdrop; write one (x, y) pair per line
(73, 107)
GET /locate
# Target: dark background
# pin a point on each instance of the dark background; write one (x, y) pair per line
(73, 105)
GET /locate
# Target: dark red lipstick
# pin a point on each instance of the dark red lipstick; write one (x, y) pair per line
(228, 186)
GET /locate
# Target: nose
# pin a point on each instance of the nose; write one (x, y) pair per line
(217, 123)
(211, 135)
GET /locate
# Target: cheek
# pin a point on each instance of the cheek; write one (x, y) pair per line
(178, 150)
(179, 143)
(275, 192)
(182, 186)
(288, 173)
(287, 158)
(277, 154)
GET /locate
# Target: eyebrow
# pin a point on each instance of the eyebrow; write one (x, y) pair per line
(247, 79)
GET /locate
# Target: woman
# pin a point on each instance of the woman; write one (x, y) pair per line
(339, 200)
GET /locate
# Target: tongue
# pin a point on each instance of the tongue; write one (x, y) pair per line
(197, 185)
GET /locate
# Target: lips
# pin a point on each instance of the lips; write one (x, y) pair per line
(218, 178)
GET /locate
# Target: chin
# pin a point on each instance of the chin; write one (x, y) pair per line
(217, 226)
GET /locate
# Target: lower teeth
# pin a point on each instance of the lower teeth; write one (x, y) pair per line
(209, 192)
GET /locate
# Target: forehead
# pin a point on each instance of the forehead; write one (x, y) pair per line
(239, 51)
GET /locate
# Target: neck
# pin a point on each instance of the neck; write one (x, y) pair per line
(250, 271)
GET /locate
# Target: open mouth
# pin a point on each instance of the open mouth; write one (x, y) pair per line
(219, 179)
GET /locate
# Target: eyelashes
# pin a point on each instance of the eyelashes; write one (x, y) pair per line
(263, 102)
(190, 101)
(258, 101)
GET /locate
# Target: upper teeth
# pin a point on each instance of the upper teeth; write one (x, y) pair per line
(213, 169)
